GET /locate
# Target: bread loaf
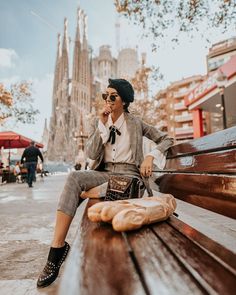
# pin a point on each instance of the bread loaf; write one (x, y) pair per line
(131, 219)
(94, 212)
(109, 211)
(133, 213)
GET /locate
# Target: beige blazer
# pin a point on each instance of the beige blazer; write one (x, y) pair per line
(137, 129)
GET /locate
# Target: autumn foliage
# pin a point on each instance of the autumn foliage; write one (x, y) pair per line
(16, 103)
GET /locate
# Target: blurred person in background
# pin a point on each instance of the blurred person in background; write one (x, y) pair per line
(30, 159)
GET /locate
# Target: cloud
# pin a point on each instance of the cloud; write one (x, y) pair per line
(7, 58)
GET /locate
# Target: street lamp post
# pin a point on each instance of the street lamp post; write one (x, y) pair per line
(223, 107)
(221, 81)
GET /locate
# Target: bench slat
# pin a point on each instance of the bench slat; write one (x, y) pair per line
(213, 192)
(209, 271)
(162, 272)
(101, 262)
(217, 162)
(216, 141)
(224, 254)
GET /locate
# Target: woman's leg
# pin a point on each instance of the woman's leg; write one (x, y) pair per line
(77, 182)
(62, 226)
(69, 201)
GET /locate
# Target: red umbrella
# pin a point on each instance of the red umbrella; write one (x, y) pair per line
(13, 140)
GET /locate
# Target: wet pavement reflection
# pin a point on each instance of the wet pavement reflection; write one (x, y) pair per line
(26, 229)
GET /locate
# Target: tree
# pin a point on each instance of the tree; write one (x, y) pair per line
(161, 18)
(140, 80)
(145, 109)
(16, 103)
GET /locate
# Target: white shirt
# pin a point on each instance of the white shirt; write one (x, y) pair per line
(120, 151)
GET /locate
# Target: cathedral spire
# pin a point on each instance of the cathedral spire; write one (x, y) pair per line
(45, 136)
(79, 13)
(57, 65)
(65, 38)
(58, 46)
(64, 66)
(85, 31)
(45, 124)
(77, 53)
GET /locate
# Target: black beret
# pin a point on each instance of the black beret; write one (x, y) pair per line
(124, 89)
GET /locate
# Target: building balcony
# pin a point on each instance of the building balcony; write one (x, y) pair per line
(180, 93)
(183, 130)
(179, 106)
(184, 118)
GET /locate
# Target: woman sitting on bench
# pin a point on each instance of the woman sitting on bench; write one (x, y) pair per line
(115, 144)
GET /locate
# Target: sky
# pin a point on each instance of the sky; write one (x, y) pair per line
(28, 44)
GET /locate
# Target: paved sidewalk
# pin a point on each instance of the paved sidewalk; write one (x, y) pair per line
(26, 227)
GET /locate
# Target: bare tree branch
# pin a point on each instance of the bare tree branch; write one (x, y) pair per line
(162, 18)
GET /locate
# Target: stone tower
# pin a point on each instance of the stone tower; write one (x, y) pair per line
(70, 107)
(127, 63)
(104, 66)
(59, 119)
(80, 101)
(45, 137)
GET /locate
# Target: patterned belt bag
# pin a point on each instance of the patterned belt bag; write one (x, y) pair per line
(122, 187)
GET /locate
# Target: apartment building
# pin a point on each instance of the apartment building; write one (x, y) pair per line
(215, 96)
(220, 53)
(175, 118)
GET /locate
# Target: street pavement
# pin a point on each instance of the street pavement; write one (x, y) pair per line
(27, 218)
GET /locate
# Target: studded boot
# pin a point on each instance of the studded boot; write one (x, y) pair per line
(51, 270)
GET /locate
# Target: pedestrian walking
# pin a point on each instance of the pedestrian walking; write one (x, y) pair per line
(30, 158)
(115, 146)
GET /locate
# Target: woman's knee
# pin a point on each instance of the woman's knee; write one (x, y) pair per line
(74, 175)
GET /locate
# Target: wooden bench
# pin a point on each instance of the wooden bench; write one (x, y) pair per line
(203, 172)
(169, 257)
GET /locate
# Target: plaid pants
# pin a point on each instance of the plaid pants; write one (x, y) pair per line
(78, 181)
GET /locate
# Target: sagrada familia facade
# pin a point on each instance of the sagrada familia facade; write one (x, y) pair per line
(71, 101)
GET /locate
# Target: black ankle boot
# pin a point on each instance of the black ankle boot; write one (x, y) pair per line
(52, 267)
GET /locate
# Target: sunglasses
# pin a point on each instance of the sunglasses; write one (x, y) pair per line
(112, 96)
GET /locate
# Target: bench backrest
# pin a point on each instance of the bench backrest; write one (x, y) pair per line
(203, 172)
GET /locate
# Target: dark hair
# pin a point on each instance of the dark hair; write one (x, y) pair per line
(126, 106)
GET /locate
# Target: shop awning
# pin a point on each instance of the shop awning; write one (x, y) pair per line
(208, 88)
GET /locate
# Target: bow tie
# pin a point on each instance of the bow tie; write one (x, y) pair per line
(113, 132)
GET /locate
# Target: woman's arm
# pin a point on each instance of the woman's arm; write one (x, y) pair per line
(157, 155)
(94, 145)
(162, 139)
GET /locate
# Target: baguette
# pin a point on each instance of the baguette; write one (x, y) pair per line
(94, 212)
(130, 219)
(133, 213)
